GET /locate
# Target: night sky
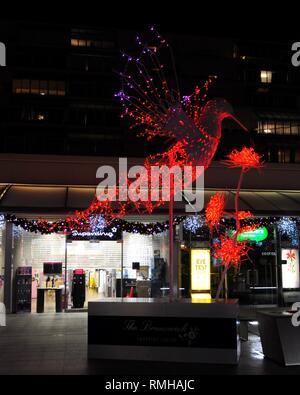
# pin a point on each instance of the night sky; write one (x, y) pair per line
(263, 20)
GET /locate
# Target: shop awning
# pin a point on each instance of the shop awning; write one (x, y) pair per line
(43, 199)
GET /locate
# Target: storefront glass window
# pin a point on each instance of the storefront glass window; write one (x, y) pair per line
(143, 259)
(100, 262)
(130, 265)
(2, 251)
(145, 266)
(32, 250)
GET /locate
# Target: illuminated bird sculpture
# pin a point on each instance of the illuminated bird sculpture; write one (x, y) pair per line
(150, 98)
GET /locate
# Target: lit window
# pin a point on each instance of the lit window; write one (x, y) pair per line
(295, 128)
(52, 88)
(268, 128)
(74, 42)
(25, 86)
(286, 128)
(84, 42)
(36, 87)
(279, 128)
(43, 88)
(35, 90)
(266, 76)
(17, 86)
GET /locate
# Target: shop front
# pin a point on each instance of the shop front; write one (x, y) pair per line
(89, 266)
(269, 275)
(134, 265)
(85, 266)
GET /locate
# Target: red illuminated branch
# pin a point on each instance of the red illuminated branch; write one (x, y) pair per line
(230, 251)
(244, 214)
(215, 209)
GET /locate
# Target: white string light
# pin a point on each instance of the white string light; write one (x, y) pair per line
(194, 223)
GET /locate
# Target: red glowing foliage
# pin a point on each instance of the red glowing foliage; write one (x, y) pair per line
(244, 214)
(215, 209)
(230, 251)
(248, 228)
(247, 159)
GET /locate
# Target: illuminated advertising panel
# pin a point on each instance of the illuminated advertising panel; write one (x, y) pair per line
(200, 270)
(258, 234)
(290, 270)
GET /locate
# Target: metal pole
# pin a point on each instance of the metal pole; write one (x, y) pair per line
(171, 237)
(280, 301)
(122, 265)
(9, 268)
(66, 274)
(226, 287)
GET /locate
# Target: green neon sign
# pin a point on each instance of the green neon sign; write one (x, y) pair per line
(258, 234)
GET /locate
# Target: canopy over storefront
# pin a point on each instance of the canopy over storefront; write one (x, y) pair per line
(39, 198)
(61, 184)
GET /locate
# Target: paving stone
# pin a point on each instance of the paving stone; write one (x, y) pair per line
(57, 344)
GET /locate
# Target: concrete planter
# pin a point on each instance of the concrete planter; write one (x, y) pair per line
(279, 338)
(157, 330)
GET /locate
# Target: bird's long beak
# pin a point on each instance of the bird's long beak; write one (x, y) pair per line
(239, 123)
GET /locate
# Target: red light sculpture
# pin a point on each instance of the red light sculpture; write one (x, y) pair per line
(228, 250)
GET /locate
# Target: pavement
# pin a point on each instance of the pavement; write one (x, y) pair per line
(56, 344)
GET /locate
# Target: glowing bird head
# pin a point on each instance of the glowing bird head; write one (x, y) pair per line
(214, 112)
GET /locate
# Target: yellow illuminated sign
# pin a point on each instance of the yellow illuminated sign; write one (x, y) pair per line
(200, 270)
(201, 297)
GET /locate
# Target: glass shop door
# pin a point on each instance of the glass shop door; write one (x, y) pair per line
(256, 281)
(261, 280)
